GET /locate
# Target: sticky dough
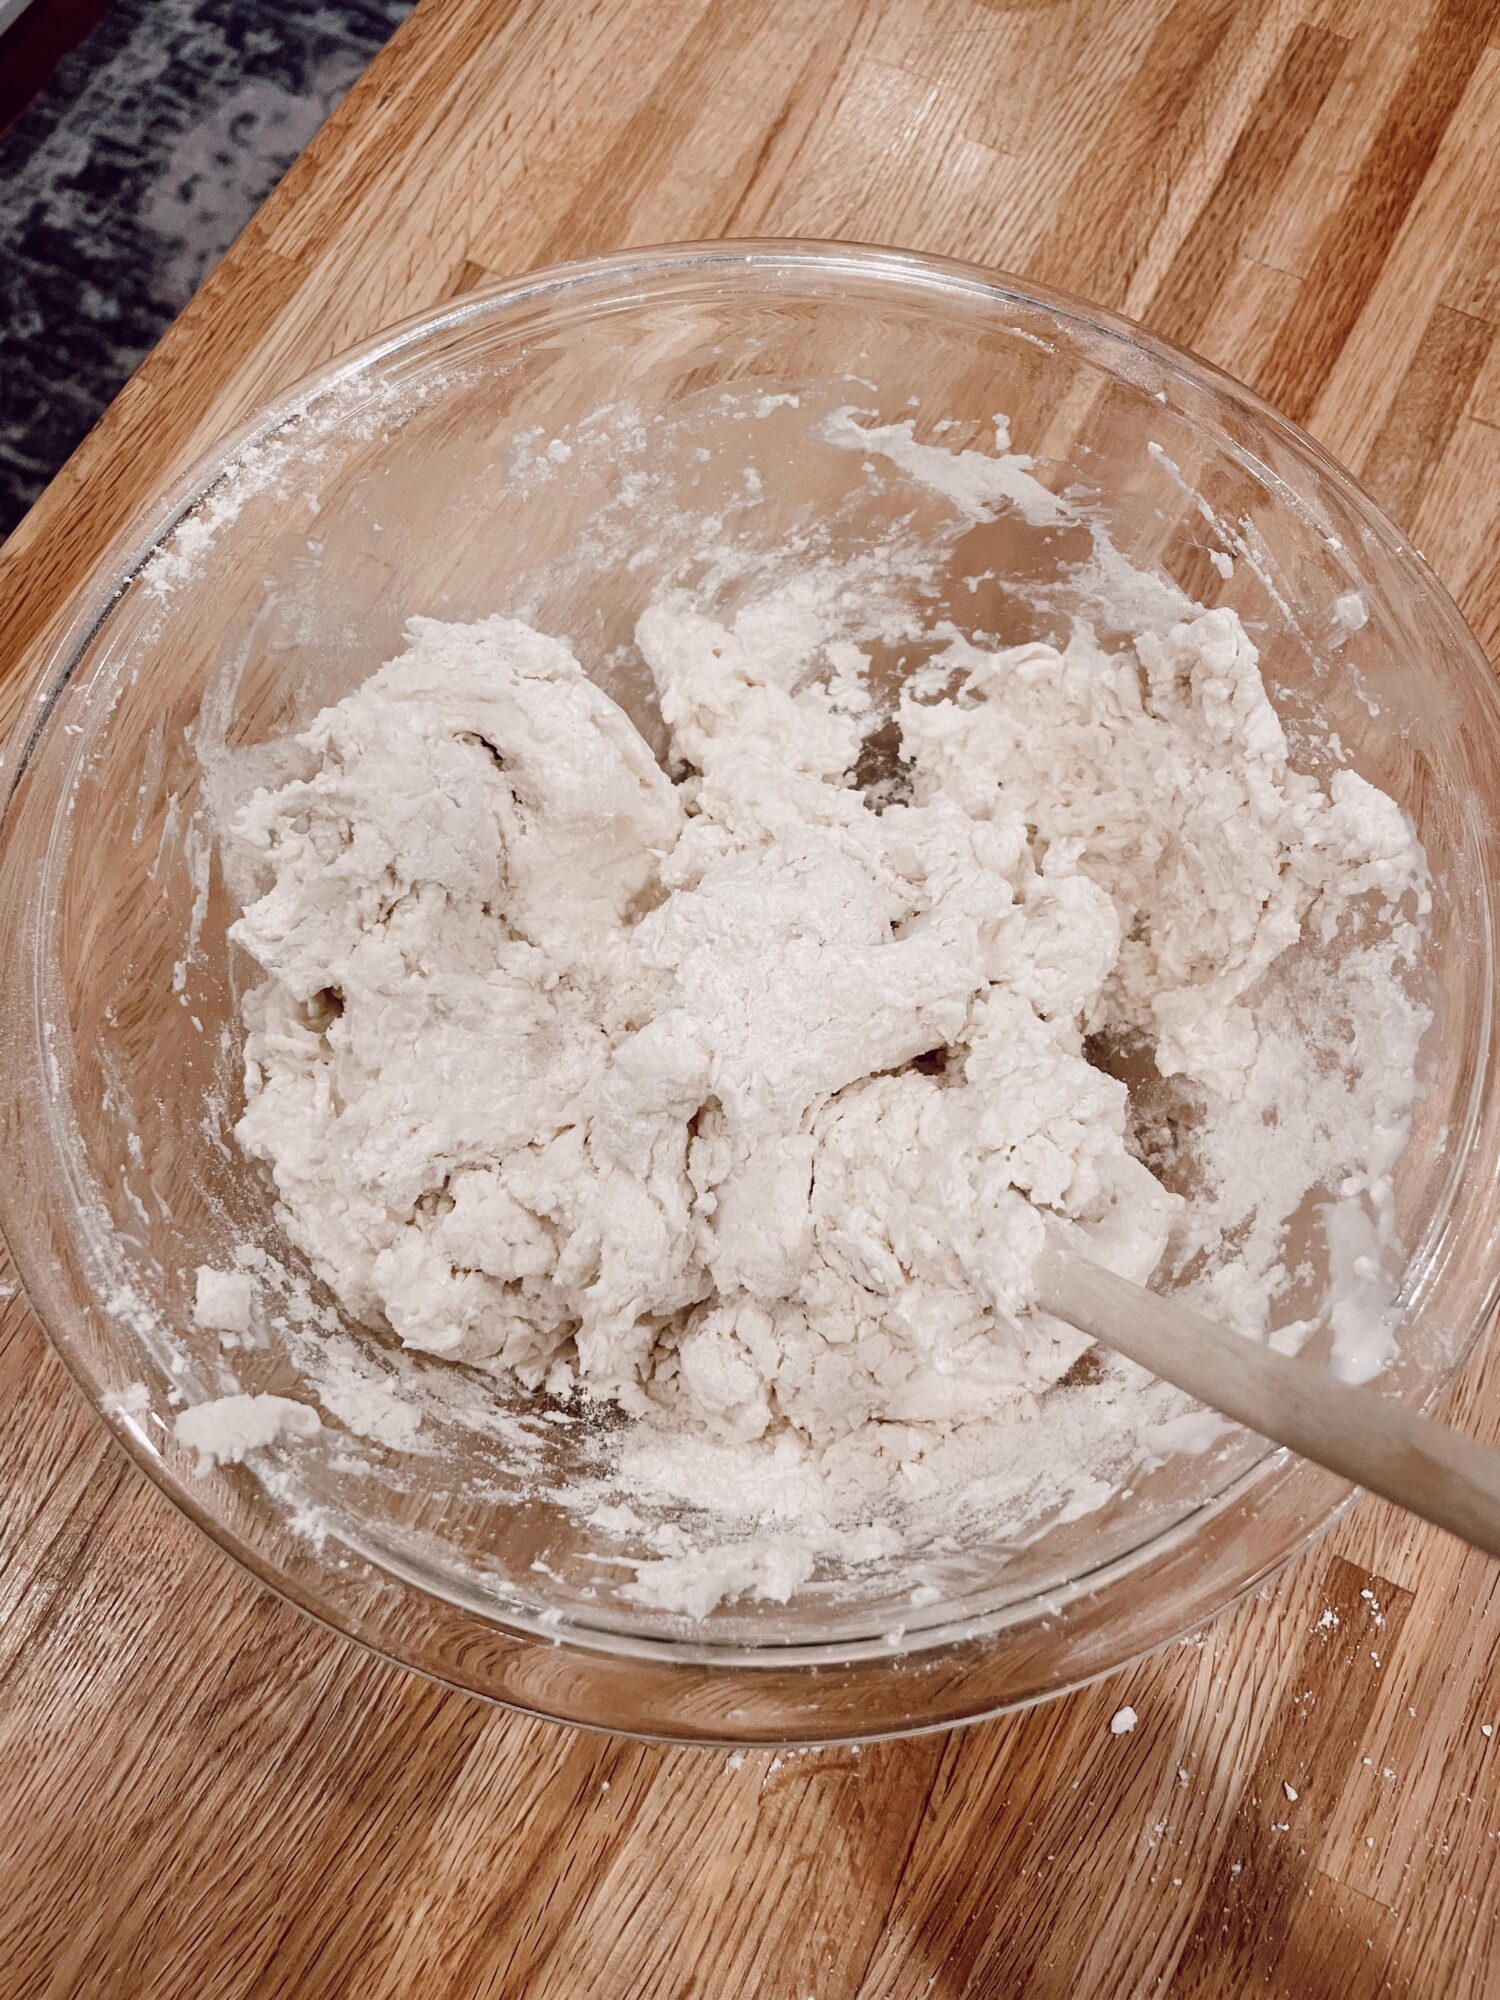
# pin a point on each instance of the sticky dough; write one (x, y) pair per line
(733, 1095)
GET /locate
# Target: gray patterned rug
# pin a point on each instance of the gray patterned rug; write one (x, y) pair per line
(129, 177)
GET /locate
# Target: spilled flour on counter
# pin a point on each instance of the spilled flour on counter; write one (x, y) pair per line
(730, 1093)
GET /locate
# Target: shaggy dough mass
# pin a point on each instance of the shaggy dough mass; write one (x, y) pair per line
(736, 1098)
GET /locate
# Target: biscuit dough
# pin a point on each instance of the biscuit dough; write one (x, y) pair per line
(731, 1091)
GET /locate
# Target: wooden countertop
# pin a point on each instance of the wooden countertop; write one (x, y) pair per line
(204, 1794)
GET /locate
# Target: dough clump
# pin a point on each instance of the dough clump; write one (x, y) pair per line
(733, 1092)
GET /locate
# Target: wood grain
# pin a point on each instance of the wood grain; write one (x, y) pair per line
(205, 1795)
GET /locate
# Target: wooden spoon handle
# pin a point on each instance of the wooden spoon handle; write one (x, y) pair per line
(1447, 1478)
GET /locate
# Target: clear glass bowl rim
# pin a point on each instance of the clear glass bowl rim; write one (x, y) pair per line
(615, 279)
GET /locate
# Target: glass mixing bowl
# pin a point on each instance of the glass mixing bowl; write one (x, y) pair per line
(556, 448)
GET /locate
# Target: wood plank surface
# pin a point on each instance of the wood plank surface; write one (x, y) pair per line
(204, 1795)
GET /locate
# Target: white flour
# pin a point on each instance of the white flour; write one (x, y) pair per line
(731, 1096)
(222, 1300)
(224, 1430)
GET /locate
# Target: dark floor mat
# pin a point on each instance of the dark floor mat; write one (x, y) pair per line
(127, 179)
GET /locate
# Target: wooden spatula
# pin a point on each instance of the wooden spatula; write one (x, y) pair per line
(1447, 1478)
